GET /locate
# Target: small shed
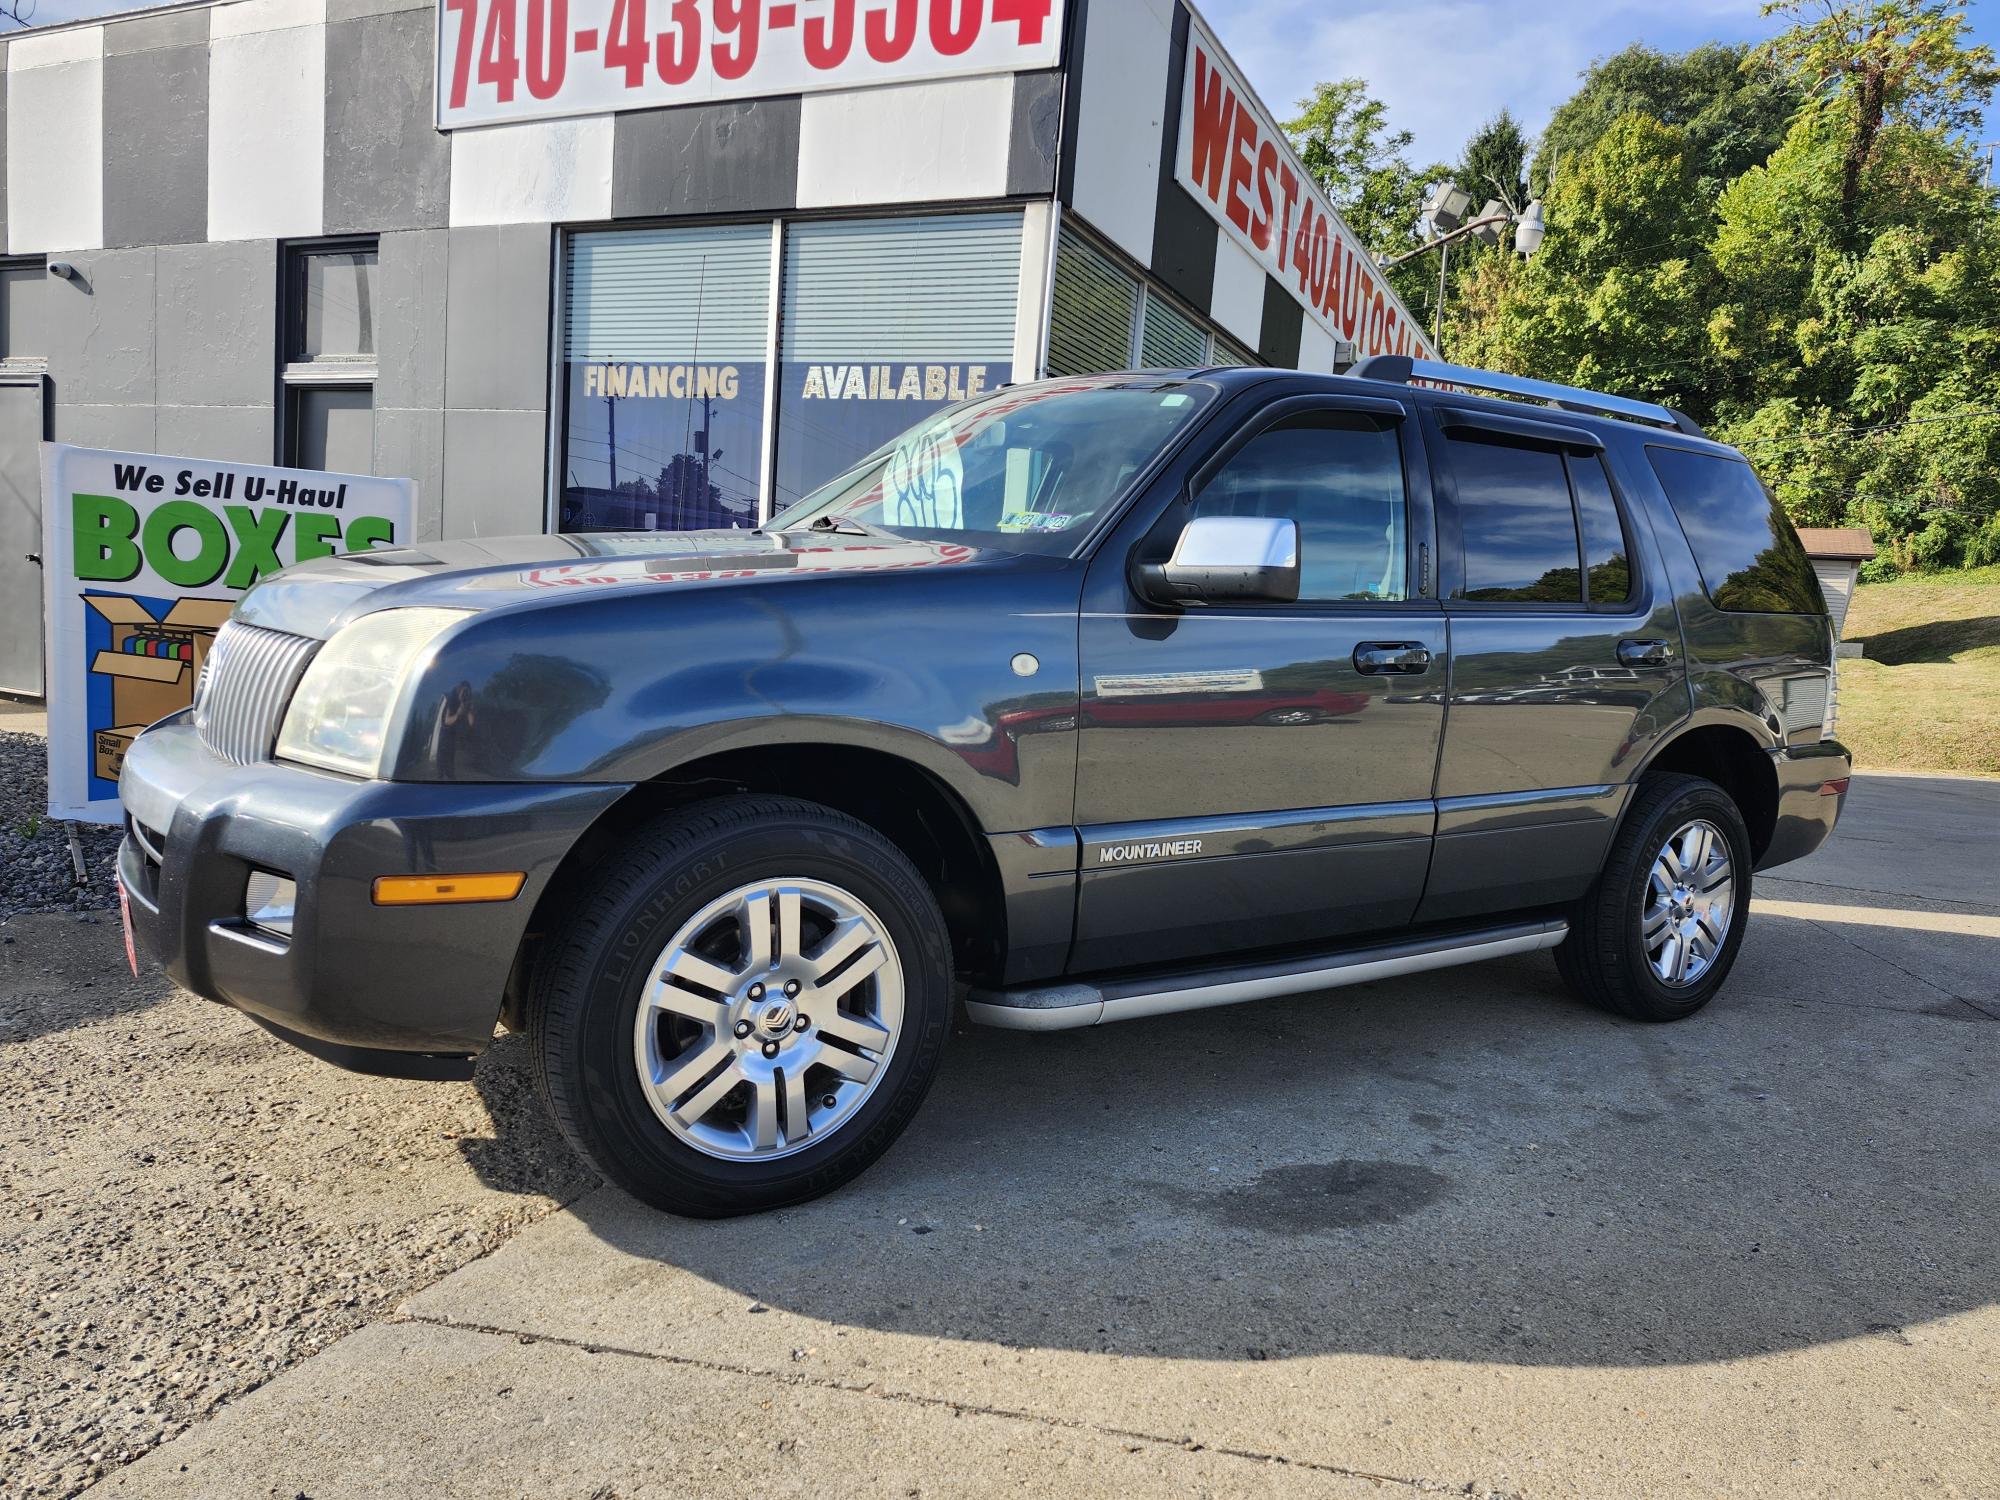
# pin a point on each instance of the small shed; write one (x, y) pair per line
(1837, 553)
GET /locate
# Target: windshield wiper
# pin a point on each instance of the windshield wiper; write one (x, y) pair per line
(845, 526)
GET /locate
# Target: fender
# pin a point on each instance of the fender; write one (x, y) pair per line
(624, 688)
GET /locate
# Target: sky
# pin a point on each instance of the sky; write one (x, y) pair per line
(1443, 67)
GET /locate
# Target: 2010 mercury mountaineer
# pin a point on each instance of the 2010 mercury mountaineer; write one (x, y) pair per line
(1101, 697)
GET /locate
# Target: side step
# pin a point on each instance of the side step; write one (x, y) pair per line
(1059, 1007)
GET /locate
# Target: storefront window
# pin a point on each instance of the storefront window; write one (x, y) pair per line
(1168, 338)
(883, 321)
(1091, 313)
(664, 348)
(1102, 317)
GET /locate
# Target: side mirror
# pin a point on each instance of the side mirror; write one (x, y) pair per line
(1228, 560)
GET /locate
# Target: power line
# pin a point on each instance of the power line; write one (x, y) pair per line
(1806, 435)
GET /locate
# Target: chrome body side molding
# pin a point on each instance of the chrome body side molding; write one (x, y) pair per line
(1065, 1006)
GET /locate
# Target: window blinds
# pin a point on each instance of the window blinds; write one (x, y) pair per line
(1168, 338)
(668, 294)
(943, 287)
(1090, 318)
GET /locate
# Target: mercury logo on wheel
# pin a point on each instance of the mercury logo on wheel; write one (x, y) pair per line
(1118, 854)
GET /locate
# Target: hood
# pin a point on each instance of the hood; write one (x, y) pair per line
(316, 598)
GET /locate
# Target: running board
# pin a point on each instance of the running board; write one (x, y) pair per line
(1060, 1007)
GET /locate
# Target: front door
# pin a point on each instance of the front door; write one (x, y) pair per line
(1261, 776)
(21, 535)
(1566, 662)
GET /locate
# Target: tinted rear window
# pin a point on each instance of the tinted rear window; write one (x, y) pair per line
(1607, 568)
(1749, 557)
(1516, 522)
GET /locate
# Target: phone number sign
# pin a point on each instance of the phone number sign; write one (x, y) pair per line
(528, 59)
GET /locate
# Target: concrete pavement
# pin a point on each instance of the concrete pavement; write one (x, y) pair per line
(1445, 1234)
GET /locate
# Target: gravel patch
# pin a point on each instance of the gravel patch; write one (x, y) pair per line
(189, 1207)
(36, 871)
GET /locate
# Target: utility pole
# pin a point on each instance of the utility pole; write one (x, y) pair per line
(1437, 313)
(611, 437)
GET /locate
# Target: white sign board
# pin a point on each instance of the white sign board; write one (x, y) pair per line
(531, 59)
(144, 559)
(1240, 167)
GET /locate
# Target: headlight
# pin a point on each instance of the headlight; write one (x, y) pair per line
(340, 715)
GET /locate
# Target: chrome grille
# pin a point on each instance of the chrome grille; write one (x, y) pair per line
(245, 685)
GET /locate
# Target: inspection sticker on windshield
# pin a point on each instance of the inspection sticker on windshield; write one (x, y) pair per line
(1036, 520)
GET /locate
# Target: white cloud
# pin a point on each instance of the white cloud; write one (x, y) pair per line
(1444, 67)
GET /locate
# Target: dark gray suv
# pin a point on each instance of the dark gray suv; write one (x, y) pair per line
(1086, 700)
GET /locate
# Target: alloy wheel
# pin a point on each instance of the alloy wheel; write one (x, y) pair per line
(769, 1019)
(1689, 903)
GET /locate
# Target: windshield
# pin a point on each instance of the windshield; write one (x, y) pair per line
(1024, 470)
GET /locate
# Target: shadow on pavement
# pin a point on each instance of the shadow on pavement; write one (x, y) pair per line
(1467, 1167)
(524, 1154)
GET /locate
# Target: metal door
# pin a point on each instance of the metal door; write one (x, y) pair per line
(1258, 776)
(1554, 700)
(21, 535)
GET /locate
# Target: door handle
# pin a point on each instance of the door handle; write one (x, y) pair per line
(1645, 653)
(1392, 656)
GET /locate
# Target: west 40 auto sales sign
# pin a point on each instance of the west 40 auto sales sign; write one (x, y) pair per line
(1239, 166)
(522, 59)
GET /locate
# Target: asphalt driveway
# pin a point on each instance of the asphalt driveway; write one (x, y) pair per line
(1447, 1234)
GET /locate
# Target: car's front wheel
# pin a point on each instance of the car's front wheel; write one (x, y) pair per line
(1658, 932)
(745, 1008)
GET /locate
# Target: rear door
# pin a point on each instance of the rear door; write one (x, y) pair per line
(1256, 776)
(1566, 660)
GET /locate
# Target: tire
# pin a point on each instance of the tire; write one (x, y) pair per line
(684, 895)
(1610, 957)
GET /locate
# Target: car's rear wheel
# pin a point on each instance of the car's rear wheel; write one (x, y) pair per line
(745, 1008)
(1659, 931)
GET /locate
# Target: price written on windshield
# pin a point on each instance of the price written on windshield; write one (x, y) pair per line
(523, 59)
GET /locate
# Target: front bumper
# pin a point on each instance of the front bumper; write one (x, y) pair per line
(1806, 811)
(407, 990)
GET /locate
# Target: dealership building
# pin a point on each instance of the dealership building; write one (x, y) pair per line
(577, 264)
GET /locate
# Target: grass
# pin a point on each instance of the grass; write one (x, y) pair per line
(1927, 695)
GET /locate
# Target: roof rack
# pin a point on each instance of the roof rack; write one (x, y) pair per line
(1401, 369)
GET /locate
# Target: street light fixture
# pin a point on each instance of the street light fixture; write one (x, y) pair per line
(1446, 205)
(1529, 229)
(1444, 208)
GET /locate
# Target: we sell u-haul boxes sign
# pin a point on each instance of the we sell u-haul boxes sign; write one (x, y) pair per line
(145, 558)
(152, 663)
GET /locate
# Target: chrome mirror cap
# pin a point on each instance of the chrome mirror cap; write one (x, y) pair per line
(1229, 559)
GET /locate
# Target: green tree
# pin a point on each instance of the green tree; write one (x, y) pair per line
(1857, 320)
(1342, 135)
(1889, 62)
(1615, 298)
(1733, 110)
(1494, 163)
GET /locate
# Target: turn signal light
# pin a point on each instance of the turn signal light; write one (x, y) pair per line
(431, 890)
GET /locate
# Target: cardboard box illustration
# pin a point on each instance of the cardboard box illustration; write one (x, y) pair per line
(152, 662)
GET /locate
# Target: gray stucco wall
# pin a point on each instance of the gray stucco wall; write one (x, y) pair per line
(169, 341)
(387, 167)
(3, 142)
(496, 380)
